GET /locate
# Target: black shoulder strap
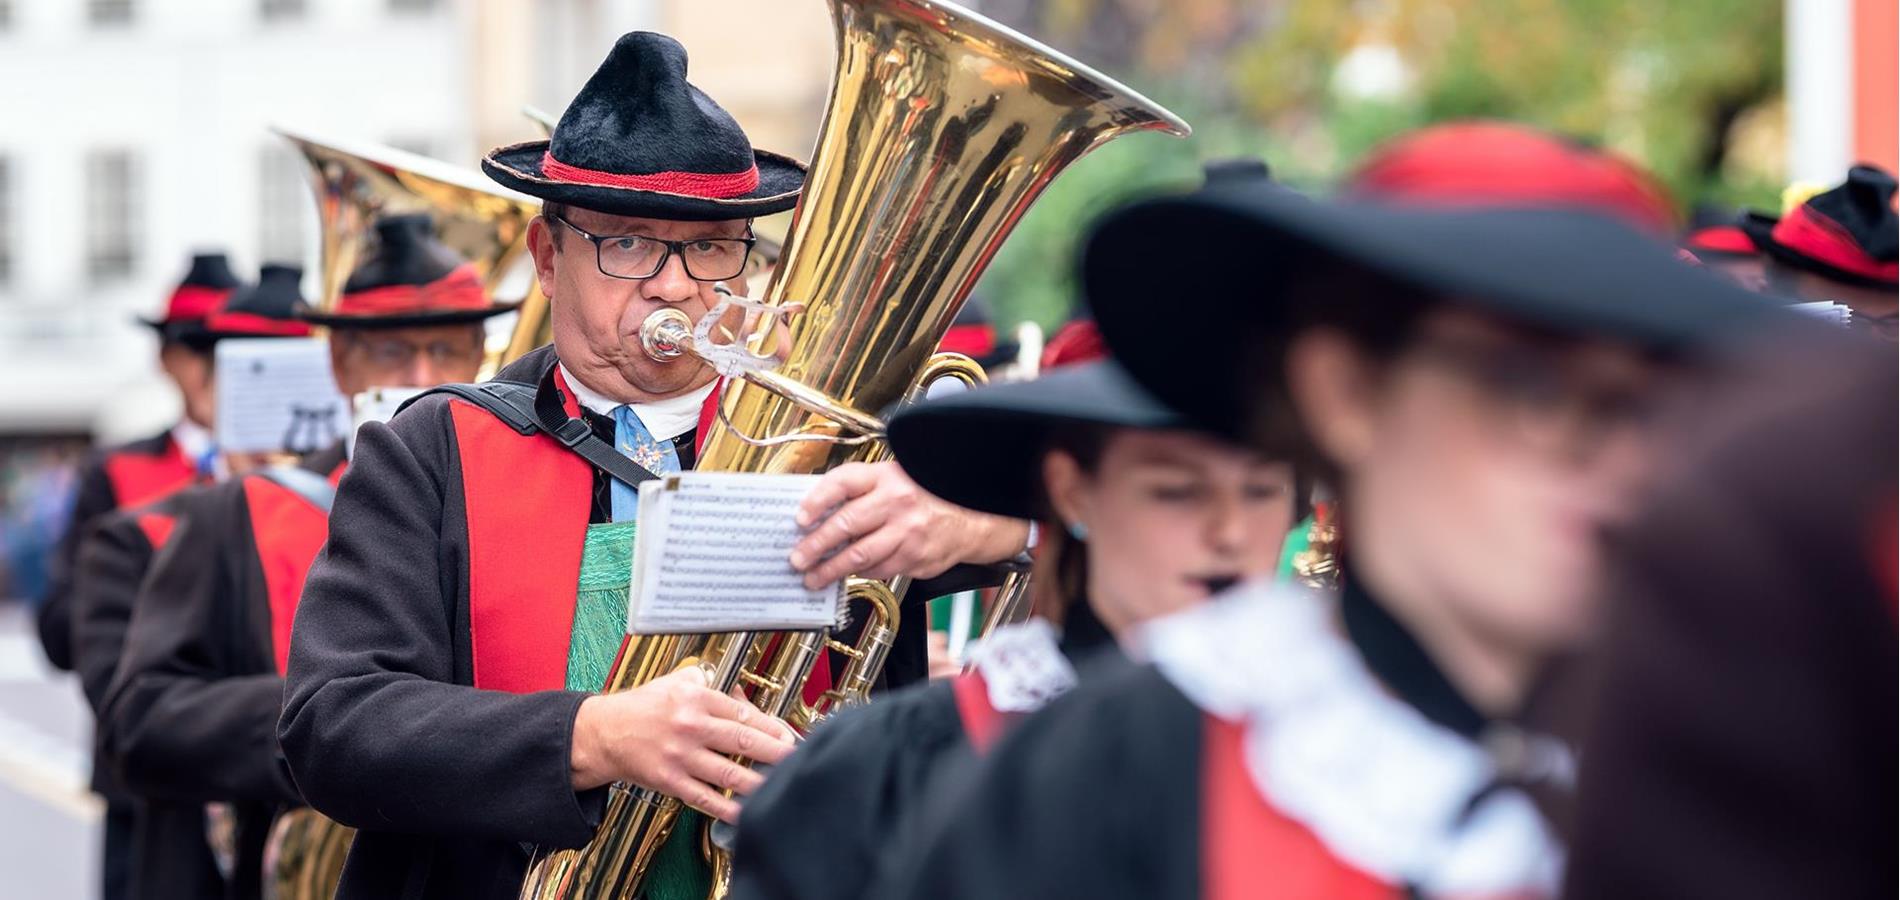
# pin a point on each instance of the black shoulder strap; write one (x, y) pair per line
(510, 401)
(575, 435)
(527, 409)
(315, 489)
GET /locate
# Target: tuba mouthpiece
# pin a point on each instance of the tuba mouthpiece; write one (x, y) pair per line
(666, 335)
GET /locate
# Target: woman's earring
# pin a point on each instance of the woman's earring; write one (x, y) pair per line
(1078, 531)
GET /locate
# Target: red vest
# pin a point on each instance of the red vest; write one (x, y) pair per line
(139, 478)
(983, 724)
(527, 500)
(157, 528)
(1250, 850)
(287, 531)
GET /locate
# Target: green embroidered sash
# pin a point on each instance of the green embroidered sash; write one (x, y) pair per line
(679, 871)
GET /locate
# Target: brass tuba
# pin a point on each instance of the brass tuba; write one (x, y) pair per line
(941, 129)
(355, 185)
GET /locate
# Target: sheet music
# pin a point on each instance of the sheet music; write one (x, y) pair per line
(712, 554)
(277, 394)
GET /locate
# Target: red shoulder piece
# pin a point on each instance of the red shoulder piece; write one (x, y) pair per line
(157, 527)
(708, 414)
(139, 478)
(1249, 850)
(983, 723)
(287, 532)
(527, 499)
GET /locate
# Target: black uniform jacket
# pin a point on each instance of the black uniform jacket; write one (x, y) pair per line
(865, 775)
(190, 715)
(450, 787)
(112, 562)
(129, 475)
(170, 857)
(1112, 770)
(1104, 792)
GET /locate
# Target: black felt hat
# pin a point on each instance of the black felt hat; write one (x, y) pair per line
(205, 287)
(638, 140)
(1848, 233)
(1556, 268)
(412, 280)
(265, 309)
(982, 449)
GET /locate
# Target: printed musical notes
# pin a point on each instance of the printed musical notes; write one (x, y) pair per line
(711, 554)
(277, 394)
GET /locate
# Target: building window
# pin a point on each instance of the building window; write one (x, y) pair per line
(281, 205)
(109, 12)
(412, 6)
(6, 221)
(114, 210)
(280, 10)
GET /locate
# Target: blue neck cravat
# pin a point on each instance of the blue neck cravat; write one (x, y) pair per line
(635, 442)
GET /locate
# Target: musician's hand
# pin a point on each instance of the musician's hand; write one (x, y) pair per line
(673, 735)
(882, 525)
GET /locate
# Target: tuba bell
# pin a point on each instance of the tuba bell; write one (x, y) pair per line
(486, 224)
(941, 129)
(355, 186)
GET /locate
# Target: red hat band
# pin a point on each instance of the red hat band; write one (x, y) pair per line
(689, 184)
(246, 323)
(460, 290)
(192, 301)
(1729, 239)
(1823, 240)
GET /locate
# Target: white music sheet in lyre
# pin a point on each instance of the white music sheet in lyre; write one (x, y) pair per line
(712, 553)
(278, 394)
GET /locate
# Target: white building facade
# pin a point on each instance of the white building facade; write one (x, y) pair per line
(135, 132)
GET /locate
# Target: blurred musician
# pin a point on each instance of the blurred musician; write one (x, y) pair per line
(191, 712)
(1481, 378)
(1142, 516)
(148, 469)
(152, 841)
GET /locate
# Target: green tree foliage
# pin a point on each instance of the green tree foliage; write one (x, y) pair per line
(1312, 85)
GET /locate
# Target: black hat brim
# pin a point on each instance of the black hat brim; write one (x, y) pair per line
(406, 320)
(186, 331)
(982, 449)
(518, 166)
(1557, 269)
(1761, 230)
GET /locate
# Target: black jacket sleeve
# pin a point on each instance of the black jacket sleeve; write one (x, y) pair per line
(192, 713)
(1095, 796)
(833, 806)
(55, 619)
(380, 726)
(111, 564)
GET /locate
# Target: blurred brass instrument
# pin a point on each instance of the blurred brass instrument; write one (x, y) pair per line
(355, 185)
(941, 129)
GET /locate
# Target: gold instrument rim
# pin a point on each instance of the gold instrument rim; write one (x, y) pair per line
(385, 155)
(1052, 58)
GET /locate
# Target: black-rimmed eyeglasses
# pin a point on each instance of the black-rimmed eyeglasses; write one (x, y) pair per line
(639, 256)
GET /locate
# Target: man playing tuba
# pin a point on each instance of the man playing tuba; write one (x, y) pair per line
(472, 595)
